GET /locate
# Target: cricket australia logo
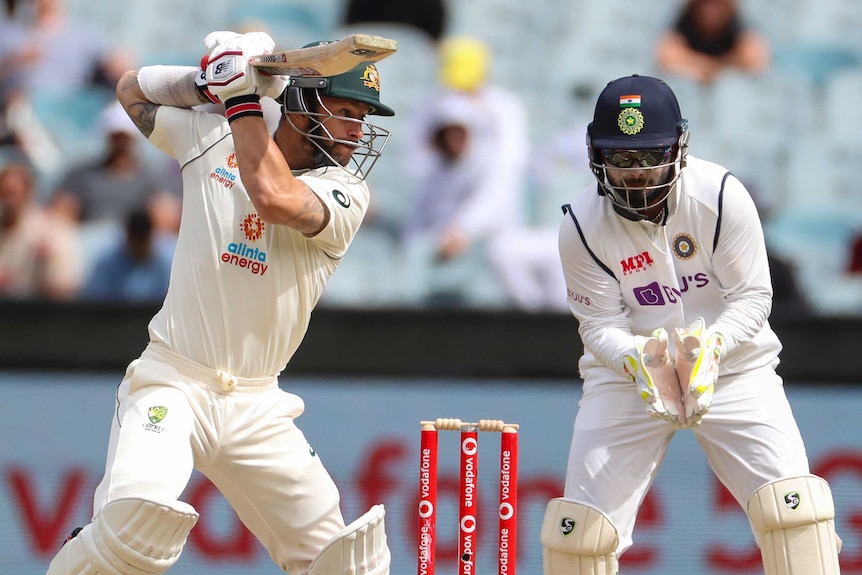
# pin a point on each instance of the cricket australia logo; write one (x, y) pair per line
(155, 414)
(567, 526)
(371, 78)
(792, 500)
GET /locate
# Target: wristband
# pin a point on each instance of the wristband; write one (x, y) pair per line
(243, 107)
(170, 85)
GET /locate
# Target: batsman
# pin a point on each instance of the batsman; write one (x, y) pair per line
(666, 272)
(266, 219)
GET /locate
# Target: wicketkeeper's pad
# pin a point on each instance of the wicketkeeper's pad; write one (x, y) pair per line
(578, 539)
(795, 518)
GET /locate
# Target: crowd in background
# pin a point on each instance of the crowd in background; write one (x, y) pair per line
(466, 199)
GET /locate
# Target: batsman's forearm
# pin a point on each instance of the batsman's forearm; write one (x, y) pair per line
(171, 85)
(279, 196)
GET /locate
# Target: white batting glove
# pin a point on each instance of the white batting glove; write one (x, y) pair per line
(654, 374)
(218, 38)
(228, 73)
(698, 352)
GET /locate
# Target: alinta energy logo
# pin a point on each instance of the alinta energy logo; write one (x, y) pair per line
(245, 255)
(224, 175)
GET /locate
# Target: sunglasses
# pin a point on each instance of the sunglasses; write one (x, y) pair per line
(644, 158)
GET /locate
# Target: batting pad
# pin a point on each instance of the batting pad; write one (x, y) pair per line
(578, 539)
(359, 549)
(128, 537)
(795, 518)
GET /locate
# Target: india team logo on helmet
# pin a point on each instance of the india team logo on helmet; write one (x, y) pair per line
(636, 113)
(630, 120)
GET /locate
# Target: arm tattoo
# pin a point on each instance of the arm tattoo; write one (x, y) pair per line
(314, 216)
(129, 82)
(143, 114)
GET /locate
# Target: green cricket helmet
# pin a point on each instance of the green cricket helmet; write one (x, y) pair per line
(362, 83)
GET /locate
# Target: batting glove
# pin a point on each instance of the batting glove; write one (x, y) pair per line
(218, 38)
(227, 70)
(654, 374)
(698, 352)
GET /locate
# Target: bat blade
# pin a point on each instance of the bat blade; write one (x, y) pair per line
(327, 59)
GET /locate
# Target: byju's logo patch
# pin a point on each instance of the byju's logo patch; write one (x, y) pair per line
(650, 294)
(656, 294)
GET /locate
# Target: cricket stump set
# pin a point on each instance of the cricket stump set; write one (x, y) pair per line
(468, 488)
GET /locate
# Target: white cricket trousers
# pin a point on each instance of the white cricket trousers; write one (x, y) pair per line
(174, 416)
(749, 436)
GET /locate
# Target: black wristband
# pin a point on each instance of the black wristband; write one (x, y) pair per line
(242, 107)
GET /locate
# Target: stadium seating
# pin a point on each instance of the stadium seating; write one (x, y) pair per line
(789, 134)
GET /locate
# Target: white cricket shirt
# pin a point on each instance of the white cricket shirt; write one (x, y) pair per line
(631, 277)
(241, 290)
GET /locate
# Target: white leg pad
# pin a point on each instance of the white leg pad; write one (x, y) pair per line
(359, 549)
(578, 539)
(795, 518)
(128, 537)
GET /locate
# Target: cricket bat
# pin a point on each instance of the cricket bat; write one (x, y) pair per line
(326, 59)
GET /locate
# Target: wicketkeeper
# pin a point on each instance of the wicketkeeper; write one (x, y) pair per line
(666, 272)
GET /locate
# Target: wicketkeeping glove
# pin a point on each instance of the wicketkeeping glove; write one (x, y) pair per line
(698, 352)
(656, 378)
(228, 72)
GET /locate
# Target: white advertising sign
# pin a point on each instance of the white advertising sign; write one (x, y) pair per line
(55, 430)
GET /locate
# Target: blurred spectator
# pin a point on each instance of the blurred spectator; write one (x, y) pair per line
(45, 54)
(788, 299)
(854, 265)
(103, 193)
(469, 153)
(39, 254)
(708, 37)
(429, 16)
(137, 269)
(39, 34)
